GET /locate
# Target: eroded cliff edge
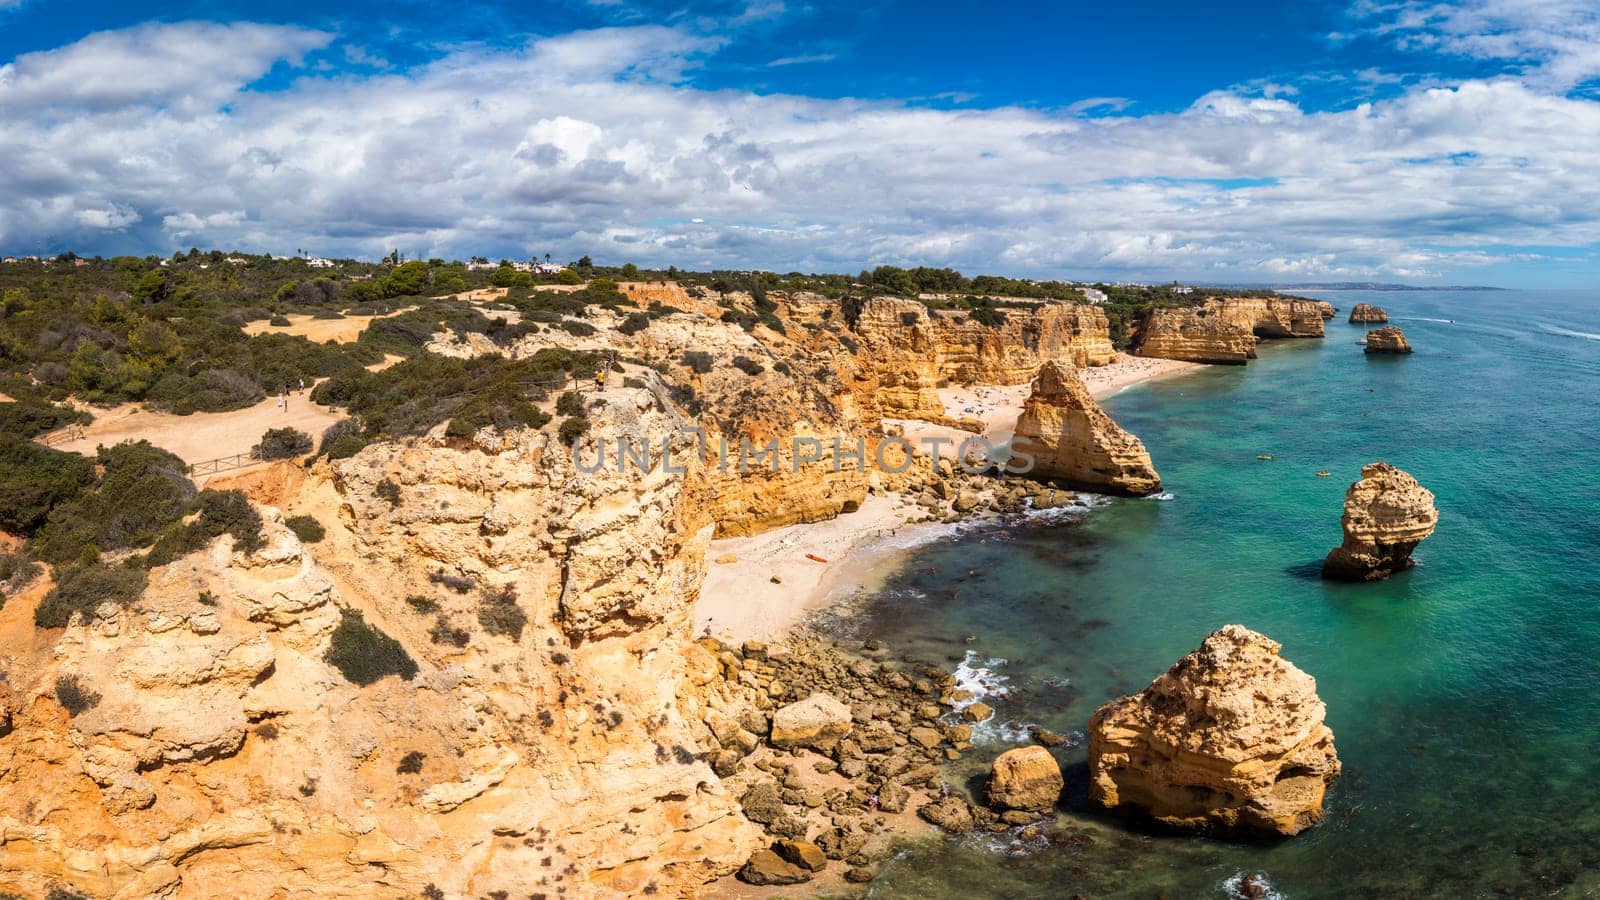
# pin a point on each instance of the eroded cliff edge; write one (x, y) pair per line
(555, 745)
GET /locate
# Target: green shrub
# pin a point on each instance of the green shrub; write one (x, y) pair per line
(82, 588)
(74, 696)
(388, 490)
(411, 763)
(363, 654)
(26, 419)
(698, 361)
(278, 322)
(499, 613)
(221, 512)
(572, 429)
(458, 583)
(306, 528)
(445, 633)
(422, 604)
(570, 404)
(143, 491)
(567, 276)
(281, 443)
(576, 329)
(634, 323)
(34, 479)
(748, 366)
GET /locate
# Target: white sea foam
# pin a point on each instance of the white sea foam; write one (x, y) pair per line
(1258, 888)
(1422, 319)
(1163, 497)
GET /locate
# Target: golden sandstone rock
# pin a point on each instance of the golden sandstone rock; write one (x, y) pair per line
(1386, 514)
(225, 751)
(1071, 438)
(1226, 331)
(915, 350)
(1387, 340)
(1230, 741)
(1025, 778)
(1366, 314)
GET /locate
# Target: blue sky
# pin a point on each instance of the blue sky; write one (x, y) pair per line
(1410, 141)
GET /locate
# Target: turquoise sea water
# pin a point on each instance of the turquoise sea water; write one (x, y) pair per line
(1464, 695)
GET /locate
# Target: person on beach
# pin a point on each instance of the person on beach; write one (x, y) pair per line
(600, 379)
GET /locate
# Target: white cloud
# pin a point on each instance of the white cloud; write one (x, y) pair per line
(194, 64)
(1555, 42)
(591, 143)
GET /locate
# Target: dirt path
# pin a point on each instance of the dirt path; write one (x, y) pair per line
(340, 331)
(200, 436)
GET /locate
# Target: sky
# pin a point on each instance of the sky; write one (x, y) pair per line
(1388, 140)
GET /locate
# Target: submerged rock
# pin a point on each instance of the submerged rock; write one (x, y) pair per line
(1025, 778)
(1387, 340)
(1366, 314)
(1386, 514)
(1071, 438)
(1231, 740)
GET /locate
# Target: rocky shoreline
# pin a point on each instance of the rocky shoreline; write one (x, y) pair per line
(838, 753)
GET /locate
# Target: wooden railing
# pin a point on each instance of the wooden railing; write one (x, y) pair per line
(222, 464)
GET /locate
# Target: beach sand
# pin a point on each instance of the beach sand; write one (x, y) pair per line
(739, 602)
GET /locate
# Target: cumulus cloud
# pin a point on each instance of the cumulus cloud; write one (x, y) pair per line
(594, 143)
(193, 63)
(1555, 42)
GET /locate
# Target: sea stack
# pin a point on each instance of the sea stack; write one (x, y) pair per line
(1387, 340)
(1230, 741)
(1367, 314)
(1386, 514)
(1072, 439)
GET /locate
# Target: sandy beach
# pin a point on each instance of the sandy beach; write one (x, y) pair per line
(741, 602)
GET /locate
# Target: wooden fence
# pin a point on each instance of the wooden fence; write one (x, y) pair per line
(222, 464)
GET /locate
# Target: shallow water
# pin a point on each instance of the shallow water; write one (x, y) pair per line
(1462, 694)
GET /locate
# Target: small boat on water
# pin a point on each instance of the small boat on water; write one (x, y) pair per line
(1264, 456)
(1323, 474)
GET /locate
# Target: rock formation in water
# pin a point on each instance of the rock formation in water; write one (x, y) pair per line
(1025, 778)
(1230, 741)
(1367, 314)
(1072, 439)
(1328, 310)
(1387, 340)
(1386, 514)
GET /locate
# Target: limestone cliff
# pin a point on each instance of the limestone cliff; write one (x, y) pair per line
(1273, 317)
(547, 742)
(1011, 352)
(1387, 340)
(1226, 330)
(1231, 740)
(1327, 309)
(1195, 334)
(914, 351)
(1072, 439)
(1367, 314)
(1386, 514)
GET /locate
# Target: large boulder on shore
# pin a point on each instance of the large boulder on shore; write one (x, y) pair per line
(1025, 778)
(818, 722)
(1070, 438)
(1230, 741)
(1386, 514)
(767, 868)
